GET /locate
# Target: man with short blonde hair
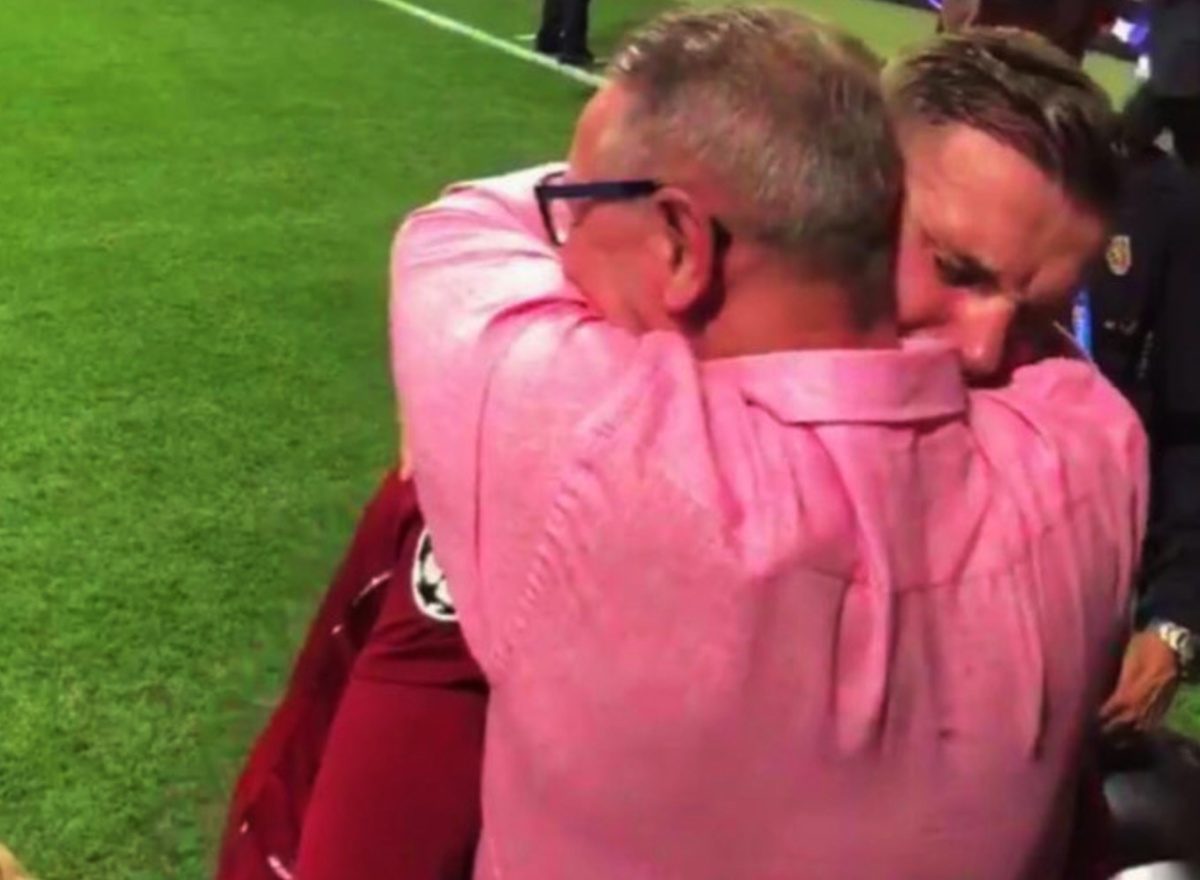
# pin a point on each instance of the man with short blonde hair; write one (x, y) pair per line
(1139, 309)
(1011, 175)
(1023, 92)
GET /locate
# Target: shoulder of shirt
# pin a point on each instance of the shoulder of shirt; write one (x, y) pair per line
(1058, 382)
(488, 201)
(1072, 401)
(504, 188)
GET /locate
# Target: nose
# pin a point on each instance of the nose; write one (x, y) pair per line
(985, 325)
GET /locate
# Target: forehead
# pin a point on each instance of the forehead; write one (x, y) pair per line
(597, 128)
(974, 196)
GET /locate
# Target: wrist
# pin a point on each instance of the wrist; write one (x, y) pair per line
(1180, 640)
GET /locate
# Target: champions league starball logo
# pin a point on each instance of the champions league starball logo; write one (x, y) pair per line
(431, 593)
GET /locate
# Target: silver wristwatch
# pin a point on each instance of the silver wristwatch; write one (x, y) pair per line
(1180, 640)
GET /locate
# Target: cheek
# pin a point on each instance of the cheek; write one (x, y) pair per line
(576, 260)
(585, 268)
(609, 279)
(922, 300)
(1057, 285)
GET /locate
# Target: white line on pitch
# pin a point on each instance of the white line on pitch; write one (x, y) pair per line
(482, 37)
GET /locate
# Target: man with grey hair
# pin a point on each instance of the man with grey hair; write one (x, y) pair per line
(708, 104)
(761, 591)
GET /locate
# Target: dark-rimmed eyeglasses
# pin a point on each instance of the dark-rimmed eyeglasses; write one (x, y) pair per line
(563, 205)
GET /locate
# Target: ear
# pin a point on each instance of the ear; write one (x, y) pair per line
(692, 251)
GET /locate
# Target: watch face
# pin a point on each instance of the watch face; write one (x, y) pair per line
(1179, 640)
(1187, 650)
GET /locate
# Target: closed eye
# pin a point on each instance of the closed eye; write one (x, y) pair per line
(959, 271)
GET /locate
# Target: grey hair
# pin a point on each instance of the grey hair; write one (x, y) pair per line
(786, 115)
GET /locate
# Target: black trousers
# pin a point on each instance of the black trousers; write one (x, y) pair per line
(1147, 115)
(564, 27)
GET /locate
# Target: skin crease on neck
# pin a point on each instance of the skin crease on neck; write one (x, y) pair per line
(645, 264)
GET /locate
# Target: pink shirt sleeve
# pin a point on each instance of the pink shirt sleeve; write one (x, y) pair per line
(498, 360)
(1090, 405)
(1071, 410)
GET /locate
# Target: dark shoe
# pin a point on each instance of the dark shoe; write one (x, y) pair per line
(584, 59)
(547, 45)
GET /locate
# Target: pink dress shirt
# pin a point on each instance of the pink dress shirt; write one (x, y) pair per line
(813, 614)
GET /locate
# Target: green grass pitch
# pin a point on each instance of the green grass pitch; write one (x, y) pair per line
(196, 205)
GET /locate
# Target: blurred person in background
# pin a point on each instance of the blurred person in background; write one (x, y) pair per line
(1169, 100)
(564, 32)
(1069, 24)
(1143, 318)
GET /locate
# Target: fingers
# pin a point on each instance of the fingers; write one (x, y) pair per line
(1136, 706)
(1118, 714)
(1146, 685)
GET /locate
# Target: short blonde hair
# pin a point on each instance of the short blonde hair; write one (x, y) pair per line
(1021, 90)
(10, 868)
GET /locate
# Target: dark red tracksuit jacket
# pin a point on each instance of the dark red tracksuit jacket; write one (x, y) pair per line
(374, 752)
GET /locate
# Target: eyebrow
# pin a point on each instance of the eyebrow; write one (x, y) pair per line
(972, 267)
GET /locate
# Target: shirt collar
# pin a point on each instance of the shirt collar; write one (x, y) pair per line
(919, 381)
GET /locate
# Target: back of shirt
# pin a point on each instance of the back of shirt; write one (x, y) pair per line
(800, 646)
